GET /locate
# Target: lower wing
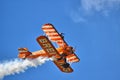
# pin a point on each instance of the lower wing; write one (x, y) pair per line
(63, 66)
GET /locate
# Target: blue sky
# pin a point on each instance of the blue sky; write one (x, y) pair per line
(92, 26)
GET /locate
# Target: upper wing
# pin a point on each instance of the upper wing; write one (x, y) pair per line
(53, 34)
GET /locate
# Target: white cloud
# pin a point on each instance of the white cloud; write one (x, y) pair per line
(89, 7)
(76, 17)
(99, 5)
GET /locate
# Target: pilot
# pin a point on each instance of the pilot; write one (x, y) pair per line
(62, 35)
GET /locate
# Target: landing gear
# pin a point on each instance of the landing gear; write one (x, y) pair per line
(63, 57)
(66, 65)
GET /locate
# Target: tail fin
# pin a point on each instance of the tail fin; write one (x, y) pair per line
(23, 53)
(22, 49)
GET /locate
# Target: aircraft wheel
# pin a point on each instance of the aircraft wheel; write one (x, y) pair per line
(66, 65)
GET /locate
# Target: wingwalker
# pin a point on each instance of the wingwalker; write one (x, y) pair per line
(63, 55)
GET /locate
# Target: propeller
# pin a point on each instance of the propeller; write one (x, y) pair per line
(74, 49)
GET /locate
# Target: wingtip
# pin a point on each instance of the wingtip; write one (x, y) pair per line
(47, 24)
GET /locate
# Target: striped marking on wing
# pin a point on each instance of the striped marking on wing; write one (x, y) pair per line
(53, 34)
(72, 58)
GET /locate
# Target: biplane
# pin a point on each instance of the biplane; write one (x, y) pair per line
(63, 55)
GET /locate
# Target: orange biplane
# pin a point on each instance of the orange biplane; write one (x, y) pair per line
(62, 55)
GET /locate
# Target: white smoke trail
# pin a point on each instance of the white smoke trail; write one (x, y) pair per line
(18, 65)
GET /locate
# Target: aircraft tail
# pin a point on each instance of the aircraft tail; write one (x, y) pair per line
(23, 53)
